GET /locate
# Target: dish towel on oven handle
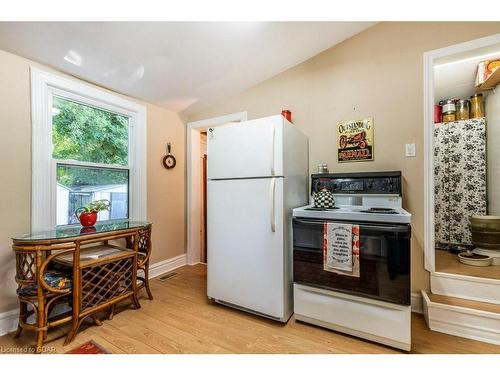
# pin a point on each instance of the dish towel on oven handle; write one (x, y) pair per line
(341, 249)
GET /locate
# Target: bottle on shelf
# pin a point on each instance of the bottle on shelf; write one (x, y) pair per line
(477, 106)
(463, 109)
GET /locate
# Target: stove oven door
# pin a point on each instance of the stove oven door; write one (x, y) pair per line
(384, 260)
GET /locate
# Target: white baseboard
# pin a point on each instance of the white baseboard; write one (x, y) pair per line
(9, 319)
(416, 303)
(167, 265)
(461, 321)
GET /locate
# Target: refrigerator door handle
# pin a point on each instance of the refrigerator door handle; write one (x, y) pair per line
(272, 149)
(273, 204)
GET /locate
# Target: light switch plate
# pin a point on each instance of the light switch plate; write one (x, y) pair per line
(410, 149)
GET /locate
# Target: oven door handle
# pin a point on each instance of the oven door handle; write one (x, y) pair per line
(396, 228)
(307, 221)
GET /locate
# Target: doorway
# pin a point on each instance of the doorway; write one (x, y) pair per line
(197, 171)
(203, 189)
(449, 72)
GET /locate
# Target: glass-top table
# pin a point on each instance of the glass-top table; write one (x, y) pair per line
(88, 264)
(72, 231)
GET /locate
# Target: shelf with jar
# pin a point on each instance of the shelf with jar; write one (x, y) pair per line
(450, 110)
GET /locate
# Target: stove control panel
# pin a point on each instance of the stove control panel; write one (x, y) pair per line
(358, 183)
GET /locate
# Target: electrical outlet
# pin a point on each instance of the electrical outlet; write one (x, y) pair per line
(410, 150)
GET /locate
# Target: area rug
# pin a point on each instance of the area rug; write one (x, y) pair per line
(90, 347)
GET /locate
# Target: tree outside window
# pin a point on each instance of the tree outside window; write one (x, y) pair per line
(99, 140)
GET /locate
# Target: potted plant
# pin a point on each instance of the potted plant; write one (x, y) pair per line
(87, 215)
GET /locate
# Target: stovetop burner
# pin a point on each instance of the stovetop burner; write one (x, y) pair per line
(380, 210)
(321, 208)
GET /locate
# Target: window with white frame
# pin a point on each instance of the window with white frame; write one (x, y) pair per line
(88, 144)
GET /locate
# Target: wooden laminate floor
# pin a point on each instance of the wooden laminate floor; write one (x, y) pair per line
(448, 263)
(181, 320)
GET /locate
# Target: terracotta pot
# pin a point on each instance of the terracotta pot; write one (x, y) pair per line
(87, 219)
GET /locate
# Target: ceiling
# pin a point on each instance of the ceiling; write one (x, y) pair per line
(455, 75)
(182, 66)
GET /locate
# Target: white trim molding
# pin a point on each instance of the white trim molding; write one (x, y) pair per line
(429, 256)
(428, 84)
(466, 287)
(43, 197)
(193, 210)
(462, 321)
(166, 265)
(416, 303)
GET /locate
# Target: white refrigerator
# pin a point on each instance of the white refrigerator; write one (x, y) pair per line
(257, 173)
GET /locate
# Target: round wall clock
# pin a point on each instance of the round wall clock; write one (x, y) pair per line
(169, 161)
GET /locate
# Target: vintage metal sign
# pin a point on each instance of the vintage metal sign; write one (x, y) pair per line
(355, 140)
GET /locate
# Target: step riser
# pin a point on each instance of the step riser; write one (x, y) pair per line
(463, 322)
(466, 287)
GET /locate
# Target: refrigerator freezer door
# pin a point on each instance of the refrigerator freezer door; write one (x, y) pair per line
(245, 252)
(248, 149)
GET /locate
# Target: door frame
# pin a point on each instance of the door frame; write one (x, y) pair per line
(193, 171)
(429, 58)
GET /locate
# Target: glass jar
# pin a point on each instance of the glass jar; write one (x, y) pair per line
(463, 109)
(449, 106)
(322, 168)
(476, 106)
(449, 110)
(449, 117)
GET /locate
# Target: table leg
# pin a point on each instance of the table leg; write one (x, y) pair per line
(41, 325)
(75, 323)
(72, 333)
(146, 280)
(111, 313)
(135, 300)
(39, 339)
(96, 320)
(135, 296)
(19, 330)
